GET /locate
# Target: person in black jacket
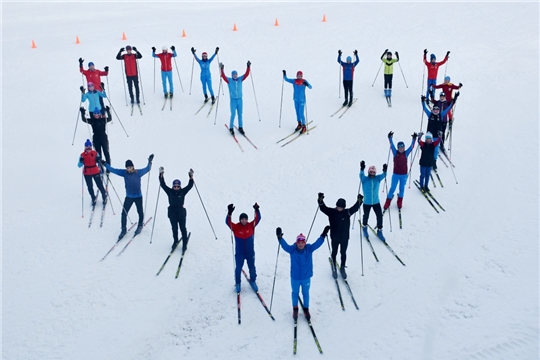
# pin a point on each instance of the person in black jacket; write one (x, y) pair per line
(340, 222)
(176, 211)
(99, 121)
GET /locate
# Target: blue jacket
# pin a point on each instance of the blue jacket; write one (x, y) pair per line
(301, 260)
(205, 67)
(348, 68)
(132, 181)
(235, 86)
(93, 99)
(371, 187)
(299, 89)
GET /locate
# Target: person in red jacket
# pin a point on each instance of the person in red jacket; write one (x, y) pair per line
(166, 68)
(433, 69)
(89, 159)
(447, 88)
(93, 75)
(132, 74)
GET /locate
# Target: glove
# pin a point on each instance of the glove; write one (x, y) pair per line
(284, 73)
(193, 50)
(447, 53)
(414, 136)
(339, 52)
(385, 168)
(122, 49)
(82, 89)
(103, 86)
(355, 52)
(321, 197)
(397, 55)
(248, 63)
(279, 233)
(362, 165)
(230, 209)
(150, 158)
(153, 49)
(173, 48)
(81, 61)
(386, 51)
(217, 49)
(221, 66)
(306, 83)
(325, 231)
(190, 173)
(360, 198)
(161, 170)
(390, 134)
(425, 51)
(103, 162)
(457, 95)
(134, 48)
(420, 134)
(106, 68)
(460, 84)
(423, 98)
(256, 207)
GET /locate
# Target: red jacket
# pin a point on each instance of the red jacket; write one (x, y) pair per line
(89, 160)
(94, 76)
(447, 90)
(433, 69)
(130, 62)
(166, 64)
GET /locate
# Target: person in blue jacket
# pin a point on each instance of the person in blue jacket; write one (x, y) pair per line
(206, 77)
(299, 97)
(348, 75)
(235, 93)
(132, 180)
(401, 172)
(94, 98)
(301, 267)
(370, 185)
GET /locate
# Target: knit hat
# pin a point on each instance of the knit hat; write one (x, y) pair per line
(372, 167)
(432, 57)
(447, 78)
(442, 94)
(204, 53)
(96, 111)
(243, 216)
(429, 136)
(164, 48)
(234, 72)
(400, 144)
(436, 108)
(341, 203)
(91, 84)
(129, 163)
(128, 47)
(88, 143)
(349, 58)
(176, 182)
(299, 73)
(90, 64)
(301, 237)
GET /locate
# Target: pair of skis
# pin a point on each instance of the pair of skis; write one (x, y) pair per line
(384, 242)
(295, 341)
(346, 107)
(236, 139)
(165, 103)
(238, 303)
(129, 242)
(211, 106)
(429, 197)
(346, 285)
(298, 133)
(103, 208)
(140, 110)
(389, 101)
(181, 258)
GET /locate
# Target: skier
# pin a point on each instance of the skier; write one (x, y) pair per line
(427, 159)
(99, 128)
(371, 196)
(448, 88)
(434, 123)
(388, 71)
(176, 212)
(433, 69)
(94, 97)
(206, 77)
(132, 73)
(89, 159)
(299, 97)
(235, 93)
(443, 104)
(348, 75)
(132, 180)
(340, 222)
(244, 236)
(166, 68)
(301, 267)
(94, 76)
(400, 173)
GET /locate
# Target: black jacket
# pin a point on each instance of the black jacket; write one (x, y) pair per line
(176, 197)
(340, 221)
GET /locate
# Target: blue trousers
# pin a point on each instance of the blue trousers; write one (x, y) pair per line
(425, 172)
(167, 76)
(236, 107)
(239, 259)
(398, 179)
(295, 286)
(430, 83)
(299, 107)
(436, 153)
(207, 83)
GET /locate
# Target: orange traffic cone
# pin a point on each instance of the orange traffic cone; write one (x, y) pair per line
(183, 33)
(124, 36)
(324, 18)
(34, 45)
(77, 41)
(276, 23)
(234, 28)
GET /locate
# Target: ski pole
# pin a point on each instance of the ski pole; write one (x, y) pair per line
(306, 120)
(140, 76)
(123, 208)
(354, 217)
(198, 193)
(280, 102)
(412, 162)
(155, 213)
(82, 192)
(361, 247)
(387, 160)
(112, 107)
(76, 124)
(312, 222)
(124, 80)
(339, 84)
(147, 186)
(177, 72)
(377, 75)
(191, 81)
(275, 273)
(108, 87)
(222, 90)
(217, 101)
(154, 75)
(255, 94)
(403, 75)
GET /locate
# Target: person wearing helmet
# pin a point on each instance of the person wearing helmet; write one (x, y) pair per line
(132, 72)
(166, 68)
(206, 77)
(244, 237)
(301, 267)
(299, 97)
(88, 160)
(176, 212)
(235, 93)
(433, 69)
(348, 75)
(400, 173)
(371, 184)
(386, 58)
(340, 222)
(427, 158)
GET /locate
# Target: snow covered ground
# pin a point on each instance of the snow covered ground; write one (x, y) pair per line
(470, 287)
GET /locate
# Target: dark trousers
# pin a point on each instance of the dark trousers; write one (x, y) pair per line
(99, 183)
(127, 205)
(347, 86)
(388, 81)
(343, 243)
(250, 259)
(101, 144)
(378, 212)
(177, 217)
(133, 80)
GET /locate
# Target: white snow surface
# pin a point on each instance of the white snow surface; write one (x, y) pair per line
(469, 289)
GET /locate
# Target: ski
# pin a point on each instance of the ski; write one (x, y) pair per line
(133, 237)
(442, 159)
(105, 204)
(140, 109)
(168, 257)
(117, 241)
(389, 101)
(244, 135)
(417, 184)
(432, 197)
(93, 210)
(300, 134)
(432, 180)
(447, 158)
(235, 139)
(132, 109)
(347, 108)
(238, 306)
(203, 105)
(288, 136)
(211, 107)
(260, 297)
(311, 328)
(295, 338)
(349, 289)
(387, 246)
(165, 103)
(400, 224)
(181, 259)
(338, 110)
(337, 286)
(170, 103)
(369, 243)
(438, 178)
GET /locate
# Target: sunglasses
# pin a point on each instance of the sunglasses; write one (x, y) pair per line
(176, 186)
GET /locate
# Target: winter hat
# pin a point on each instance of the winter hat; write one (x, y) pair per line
(349, 59)
(436, 108)
(96, 111)
(176, 182)
(301, 237)
(90, 64)
(129, 163)
(204, 53)
(400, 144)
(341, 203)
(447, 78)
(88, 143)
(243, 216)
(91, 84)
(299, 73)
(234, 72)
(372, 167)
(128, 47)
(432, 57)
(442, 94)
(164, 48)
(429, 136)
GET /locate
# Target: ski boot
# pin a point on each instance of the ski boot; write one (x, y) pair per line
(295, 313)
(380, 235)
(334, 271)
(238, 288)
(138, 100)
(364, 231)
(171, 95)
(387, 203)
(345, 102)
(303, 130)
(350, 103)
(343, 273)
(241, 130)
(298, 127)
(399, 202)
(166, 95)
(122, 234)
(93, 201)
(139, 229)
(213, 99)
(307, 314)
(254, 286)
(105, 200)
(205, 98)
(231, 130)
